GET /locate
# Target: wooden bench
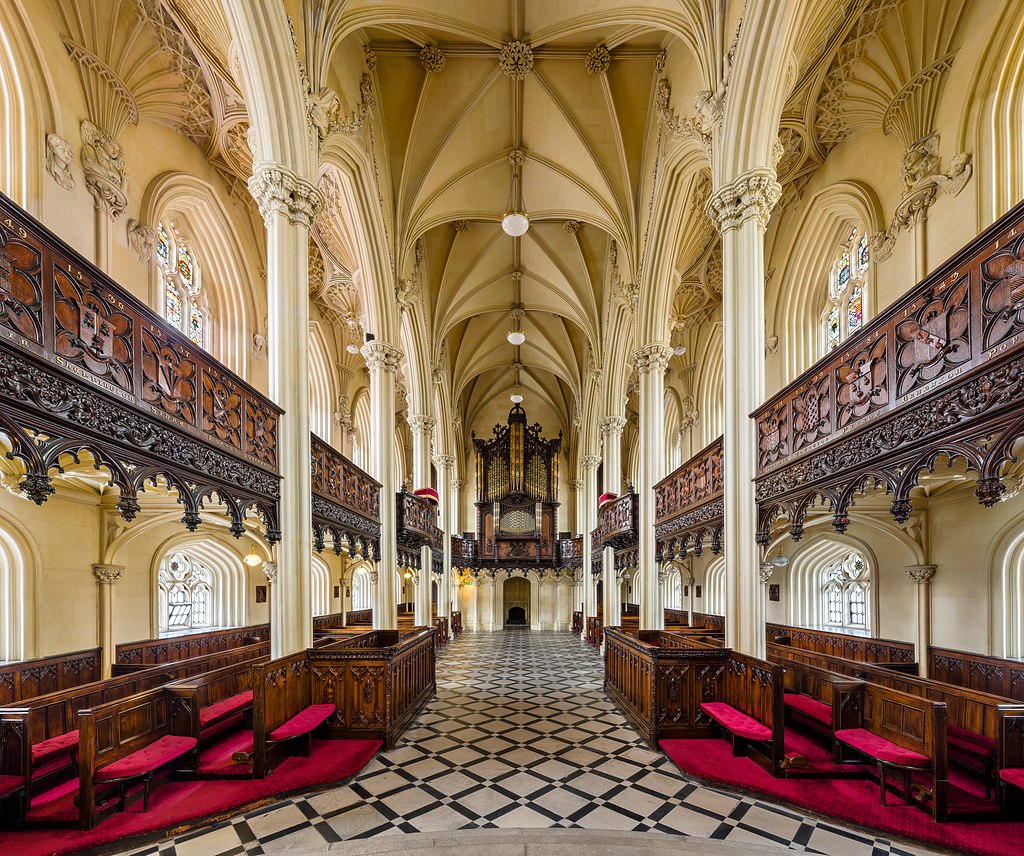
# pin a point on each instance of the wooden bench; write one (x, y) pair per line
(822, 700)
(125, 742)
(204, 705)
(1010, 762)
(13, 789)
(903, 735)
(973, 716)
(863, 649)
(996, 675)
(187, 646)
(25, 679)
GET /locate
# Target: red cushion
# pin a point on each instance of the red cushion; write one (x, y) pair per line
(881, 749)
(962, 737)
(738, 723)
(303, 722)
(808, 706)
(46, 749)
(224, 708)
(1013, 776)
(11, 785)
(147, 759)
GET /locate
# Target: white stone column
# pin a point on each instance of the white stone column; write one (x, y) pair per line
(741, 211)
(922, 577)
(576, 599)
(383, 361)
(691, 595)
(422, 427)
(288, 205)
(455, 515)
(650, 361)
(588, 501)
(446, 515)
(106, 577)
(611, 432)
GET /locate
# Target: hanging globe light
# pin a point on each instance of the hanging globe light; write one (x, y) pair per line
(515, 223)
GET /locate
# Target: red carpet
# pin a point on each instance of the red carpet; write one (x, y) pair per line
(173, 804)
(857, 800)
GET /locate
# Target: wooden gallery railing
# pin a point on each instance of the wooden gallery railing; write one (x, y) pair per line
(132, 656)
(939, 373)
(688, 506)
(378, 684)
(86, 367)
(862, 649)
(346, 503)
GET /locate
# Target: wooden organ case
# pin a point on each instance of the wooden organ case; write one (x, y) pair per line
(517, 495)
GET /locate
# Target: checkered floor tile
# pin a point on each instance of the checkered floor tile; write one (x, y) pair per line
(520, 735)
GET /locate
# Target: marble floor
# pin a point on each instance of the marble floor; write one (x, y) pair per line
(520, 738)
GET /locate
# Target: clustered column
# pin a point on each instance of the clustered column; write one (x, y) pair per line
(651, 362)
(288, 205)
(446, 520)
(456, 504)
(741, 211)
(421, 427)
(383, 361)
(611, 431)
(588, 498)
(106, 577)
(922, 577)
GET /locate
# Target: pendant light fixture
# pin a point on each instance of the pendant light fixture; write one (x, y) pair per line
(515, 221)
(517, 391)
(252, 560)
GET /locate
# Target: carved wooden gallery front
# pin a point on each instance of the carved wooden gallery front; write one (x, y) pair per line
(517, 495)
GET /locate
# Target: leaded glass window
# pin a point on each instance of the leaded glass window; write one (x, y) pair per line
(186, 593)
(846, 586)
(845, 309)
(181, 281)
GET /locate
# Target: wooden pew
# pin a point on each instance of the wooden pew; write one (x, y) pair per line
(577, 623)
(973, 717)
(994, 675)
(456, 623)
(1010, 763)
(903, 734)
(326, 622)
(863, 649)
(822, 700)
(122, 743)
(378, 683)
(677, 618)
(22, 679)
(441, 629)
(359, 616)
(49, 724)
(172, 649)
(714, 623)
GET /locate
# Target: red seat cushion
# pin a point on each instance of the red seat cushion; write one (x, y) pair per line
(147, 759)
(1013, 776)
(808, 706)
(303, 722)
(46, 749)
(881, 749)
(11, 785)
(970, 743)
(738, 723)
(224, 708)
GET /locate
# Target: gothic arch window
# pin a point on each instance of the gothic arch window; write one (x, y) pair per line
(847, 288)
(714, 587)
(362, 594)
(845, 588)
(321, 587)
(186, 590)
(14, 598)
(184, 303)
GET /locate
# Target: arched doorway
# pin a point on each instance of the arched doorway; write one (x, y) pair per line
(516, 610)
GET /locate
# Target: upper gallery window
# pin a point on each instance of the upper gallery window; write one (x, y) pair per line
(184, 304)
(844, 309)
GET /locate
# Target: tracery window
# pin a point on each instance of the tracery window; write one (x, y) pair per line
(185, 588)
(362, 591)
(845, 308)
(845, 590)
(184, 302)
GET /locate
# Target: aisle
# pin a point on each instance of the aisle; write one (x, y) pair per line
(520, 736)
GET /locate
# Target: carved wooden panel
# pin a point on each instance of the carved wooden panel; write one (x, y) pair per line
(21, 290)
(935, 337)
(222, 407)
(689, 502)
(169, 377)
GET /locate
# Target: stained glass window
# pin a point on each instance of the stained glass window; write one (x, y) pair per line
(855, 310)
(195, 323)
(172, 303)
(862, 254)
(843, 272)
(163, 246)
(186, 593)
(185, 268)
(832, 330)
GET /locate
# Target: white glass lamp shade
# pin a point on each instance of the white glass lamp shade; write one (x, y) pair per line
(515, 223)
(516, 337)
(352, 349)
(252, 560)
(516, 398)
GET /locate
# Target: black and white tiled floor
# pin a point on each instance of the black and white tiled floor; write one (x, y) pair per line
(521, 736)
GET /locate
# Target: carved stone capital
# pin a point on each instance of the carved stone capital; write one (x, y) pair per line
(920, 574)
(590, 462)
(576, 484)
(382, 356)
(653, 357)
(612, 425)
(421, 424)
(270, 569)
(458, 484)
(765, 571)
(751, 196)
(444, 462)
(108, 574)
(278, 190)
